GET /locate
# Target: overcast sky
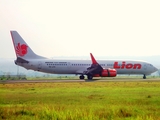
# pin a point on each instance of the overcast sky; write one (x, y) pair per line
(78, 27)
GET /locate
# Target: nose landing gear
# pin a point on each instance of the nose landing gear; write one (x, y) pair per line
(144, 76)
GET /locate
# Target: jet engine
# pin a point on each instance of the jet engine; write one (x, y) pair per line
(107, 73)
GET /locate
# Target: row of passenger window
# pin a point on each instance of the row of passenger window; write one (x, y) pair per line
(80, 64)
(76, 64)
(113, 64)
(85, 64)
(58, 64)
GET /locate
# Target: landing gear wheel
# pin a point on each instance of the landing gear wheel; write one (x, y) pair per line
(81, 77)
(144, 76)
(89, 77)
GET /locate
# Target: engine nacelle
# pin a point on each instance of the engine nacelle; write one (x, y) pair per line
(108, 73)
(96, 75)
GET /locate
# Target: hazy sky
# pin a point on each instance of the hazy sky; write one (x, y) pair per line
(78, 27)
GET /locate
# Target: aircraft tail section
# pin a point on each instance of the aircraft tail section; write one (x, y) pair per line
(22, 49)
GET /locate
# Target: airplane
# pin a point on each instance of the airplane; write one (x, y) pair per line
(26, 58)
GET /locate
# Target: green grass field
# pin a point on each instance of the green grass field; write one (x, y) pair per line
(80, 101)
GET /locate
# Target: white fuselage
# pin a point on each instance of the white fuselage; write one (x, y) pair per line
(79, 66)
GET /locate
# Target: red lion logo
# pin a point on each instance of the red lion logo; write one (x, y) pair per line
(21, 50)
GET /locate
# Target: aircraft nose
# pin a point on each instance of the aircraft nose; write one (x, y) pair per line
(156, 69)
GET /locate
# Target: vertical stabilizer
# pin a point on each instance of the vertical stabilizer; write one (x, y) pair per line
(22, 50)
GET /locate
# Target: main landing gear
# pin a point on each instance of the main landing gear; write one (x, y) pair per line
(81, 77)
(90, 77)
(144, 76)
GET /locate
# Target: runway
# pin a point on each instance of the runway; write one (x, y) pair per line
(77, 80)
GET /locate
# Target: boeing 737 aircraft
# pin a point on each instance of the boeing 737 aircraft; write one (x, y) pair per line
(90, 68)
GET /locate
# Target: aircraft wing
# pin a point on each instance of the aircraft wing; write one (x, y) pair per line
(95, 67)
(81, 71)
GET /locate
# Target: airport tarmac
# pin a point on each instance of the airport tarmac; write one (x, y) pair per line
(77, 80)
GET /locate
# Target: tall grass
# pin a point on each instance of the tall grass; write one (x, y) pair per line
(80, 101)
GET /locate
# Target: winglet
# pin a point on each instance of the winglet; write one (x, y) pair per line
(93, 59)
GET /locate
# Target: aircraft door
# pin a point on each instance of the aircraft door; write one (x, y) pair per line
(68, 65)
(145, 67)
(39, 66)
